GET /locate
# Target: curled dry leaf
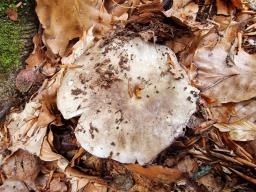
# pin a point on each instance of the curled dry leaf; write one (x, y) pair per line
(224, 75)
(239, 131)
(13, 186)
(37, 58)
(64, 21)
(113, 124)
(85, 42)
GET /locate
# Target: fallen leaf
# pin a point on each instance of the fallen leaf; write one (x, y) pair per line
(91, 187)
(211, 182)
(239, 131)
(187, 166)
(56, 185)
(37, 58)
(233, 112)
(79, 179)
(223, 75)
(21, 166)
(14, 186)
(85, 42)
(63, 22)
(47, 154)
(186, 11)
(12, 14)
(26, 132)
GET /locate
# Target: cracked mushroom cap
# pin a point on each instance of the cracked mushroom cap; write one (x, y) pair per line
(133, 97)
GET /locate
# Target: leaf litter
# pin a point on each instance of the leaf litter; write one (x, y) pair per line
(211, 48)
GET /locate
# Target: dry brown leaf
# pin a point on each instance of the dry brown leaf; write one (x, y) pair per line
(233, 112)
(56, 185)
(45, 117)
(37, 58)
(12, 14)
(224, 75)
(239, 131)
(79, 180)
(117, 8)
(21, 166)
(49, 69)
(157, 173)
(187, 166)
(185, 11)
(85, 42)
(13, 186)
(211, 183)
(63, 21)
(25, 131)
(47, 154)
(92, 187)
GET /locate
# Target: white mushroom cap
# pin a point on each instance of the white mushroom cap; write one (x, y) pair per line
(115, 122)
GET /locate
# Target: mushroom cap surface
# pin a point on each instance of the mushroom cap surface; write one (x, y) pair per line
(131, 104)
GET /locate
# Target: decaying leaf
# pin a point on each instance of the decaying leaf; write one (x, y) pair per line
(112, 123)
(239, 131)
(85, 42)
(21, 166)
(27, 128)
(211, 183)
(13, 186)
(233, 112)
(37, 58)
(57, 185)
(221, 69)
(186, 11)
(64, 21)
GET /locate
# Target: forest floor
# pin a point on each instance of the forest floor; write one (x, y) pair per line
(128, 95)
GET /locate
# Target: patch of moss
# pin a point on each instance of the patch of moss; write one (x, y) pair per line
(10, 34)
(10, 45)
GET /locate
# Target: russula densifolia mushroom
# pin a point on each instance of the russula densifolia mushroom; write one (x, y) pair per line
(133, 97)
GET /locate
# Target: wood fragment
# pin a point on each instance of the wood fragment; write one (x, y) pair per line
(225, 157)
(248, 178)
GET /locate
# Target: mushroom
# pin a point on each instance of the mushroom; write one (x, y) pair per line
(133, 97)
